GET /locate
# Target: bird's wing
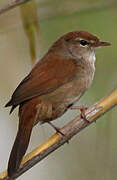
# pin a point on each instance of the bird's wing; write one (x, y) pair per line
(49, 74)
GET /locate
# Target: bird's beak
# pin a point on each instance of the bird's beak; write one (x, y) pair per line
(101, 43)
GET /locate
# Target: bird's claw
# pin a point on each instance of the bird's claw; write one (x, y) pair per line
(82, 110)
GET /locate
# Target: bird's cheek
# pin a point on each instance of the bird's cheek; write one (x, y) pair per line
(75, 51)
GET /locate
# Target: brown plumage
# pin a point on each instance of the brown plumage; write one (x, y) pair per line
(57, 81)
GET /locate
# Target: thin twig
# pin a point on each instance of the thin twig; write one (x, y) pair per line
(12, 5)
(71, 129)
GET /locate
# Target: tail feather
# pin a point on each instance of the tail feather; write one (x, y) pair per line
(19, 148)
(27, 119)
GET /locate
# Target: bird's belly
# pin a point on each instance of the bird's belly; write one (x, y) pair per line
(66, 94)
(60, 99)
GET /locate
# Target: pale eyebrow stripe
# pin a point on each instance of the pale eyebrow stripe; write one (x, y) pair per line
(91, 41)
(78, 38)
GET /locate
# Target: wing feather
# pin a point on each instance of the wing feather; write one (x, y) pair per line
(48, 74)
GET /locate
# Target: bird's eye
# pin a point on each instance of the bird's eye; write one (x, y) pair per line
(83, 42)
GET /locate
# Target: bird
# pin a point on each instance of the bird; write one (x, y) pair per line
(55, 84)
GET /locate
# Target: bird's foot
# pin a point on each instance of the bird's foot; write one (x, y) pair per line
(82, 110)
(58, 130)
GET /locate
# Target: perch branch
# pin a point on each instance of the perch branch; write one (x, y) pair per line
(71, 129)
(12, 5)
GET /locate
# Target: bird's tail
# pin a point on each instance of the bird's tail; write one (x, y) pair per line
(21, 143)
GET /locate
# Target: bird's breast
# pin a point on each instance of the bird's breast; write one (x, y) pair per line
(54, 104)
(71, 91)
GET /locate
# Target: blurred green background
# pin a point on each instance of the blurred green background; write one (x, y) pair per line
(26, 33)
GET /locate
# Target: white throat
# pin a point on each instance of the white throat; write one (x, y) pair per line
(91, 58)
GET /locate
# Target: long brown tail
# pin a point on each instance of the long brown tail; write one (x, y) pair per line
(21, 142)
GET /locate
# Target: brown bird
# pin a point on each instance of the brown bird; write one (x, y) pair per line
(55, 83)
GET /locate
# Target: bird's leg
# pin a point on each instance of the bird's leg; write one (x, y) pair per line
(56, 128)
(82, 110)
